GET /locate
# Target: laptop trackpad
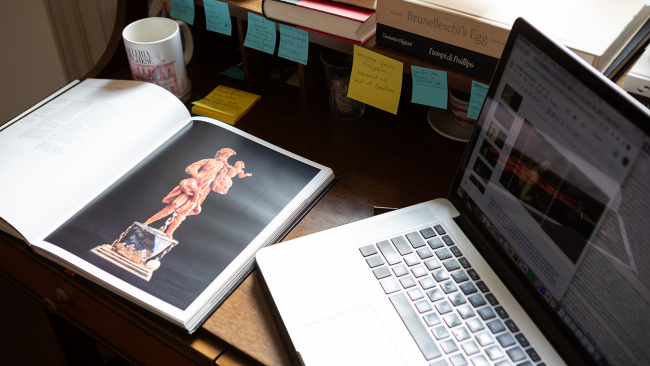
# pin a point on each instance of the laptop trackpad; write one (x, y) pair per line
(354, 338)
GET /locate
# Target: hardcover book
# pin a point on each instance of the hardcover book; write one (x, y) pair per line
(325, 17)
(596, 32)
(119, 184)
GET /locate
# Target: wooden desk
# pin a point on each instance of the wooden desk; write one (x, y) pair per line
(382, 160)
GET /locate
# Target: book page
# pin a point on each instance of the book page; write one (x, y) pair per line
(58, 157)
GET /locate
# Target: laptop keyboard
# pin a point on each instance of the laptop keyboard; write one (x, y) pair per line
(451, 314)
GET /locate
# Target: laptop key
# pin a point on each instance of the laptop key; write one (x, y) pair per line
(375, 261)
(381, 272)
(494, 353)
(476, 300)
(400, 270)
(407, 282)
(448, 287)
(411, 260)
(443, 254)
(431, 319)
(505, 340)
(496, 326)
(472, 273)
(502, 312)
(475, 325)
(483, 287)
(435, 243)
(516, 354)
(464, 262)
(402, 246)
(435, 295)
(447, 240)
(389, 285)
(451, 265)
(449, 346)
(442, 362)
(504, 363)
(465, 312)
(415, 239)
(479, 361)
(533, 355)
(428, 233)
(460, 276)
(486, 313)
(389, 252)
(461, 334)
(440, 229)
(415, 294)
(484, 339)
(432, 264)
(424, 253)
(456, 251)
(440, 332)
(443, 307)
(368, 250)
(512, 326)
(419, 271)
(458, 360)
(415, 326)
(452, 321)
(423, 306)
(470, 348)
(440, 275)
(468, 288)
(522, 340)
(457, 299)
(490, 298)
(427, 283)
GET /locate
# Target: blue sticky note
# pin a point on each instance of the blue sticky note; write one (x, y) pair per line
(429, 87)
(260, 34)
(294, 44)
(476, 99)
(234, 72)
(217, 17)
(183, 10)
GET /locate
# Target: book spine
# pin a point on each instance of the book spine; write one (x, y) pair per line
(471, 63)
(443, 25)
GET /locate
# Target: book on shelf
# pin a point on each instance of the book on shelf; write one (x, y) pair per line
(368, 4)
(471, 63)
(115, 181)
(597, 33)
(326, 17)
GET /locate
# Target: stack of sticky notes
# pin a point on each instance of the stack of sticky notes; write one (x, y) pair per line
(225, 104)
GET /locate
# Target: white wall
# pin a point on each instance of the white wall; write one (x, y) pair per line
(30, 66)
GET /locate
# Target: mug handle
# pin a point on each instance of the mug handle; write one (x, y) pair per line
(189, 41)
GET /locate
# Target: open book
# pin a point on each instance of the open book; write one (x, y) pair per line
(117, 182)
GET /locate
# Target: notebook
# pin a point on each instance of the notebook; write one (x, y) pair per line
(538, 256)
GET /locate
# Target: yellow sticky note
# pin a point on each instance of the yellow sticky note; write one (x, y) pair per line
(228, 101)
(376, 80)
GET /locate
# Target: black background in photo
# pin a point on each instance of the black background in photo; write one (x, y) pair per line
(504, 116)
(490, 153)
(511, 98)
(482, 170)
(496, 135)
(207, 242)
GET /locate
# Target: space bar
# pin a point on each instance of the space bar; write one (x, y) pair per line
(415, 326)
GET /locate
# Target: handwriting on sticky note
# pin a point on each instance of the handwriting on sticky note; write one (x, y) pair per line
(260, 34)
(228, 100)
(476, 99)
(376, 80)
(217, 17)
(429, 87)
(294, 44)
(183, 10)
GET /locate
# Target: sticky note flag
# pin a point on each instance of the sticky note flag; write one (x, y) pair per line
(260, 34)
(376, 80)
(476, 99)
(234, 72)
(217, 17)
(225, 104)
(183, 10)
(294, 44)
(429, 87)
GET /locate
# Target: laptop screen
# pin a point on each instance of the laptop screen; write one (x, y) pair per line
(558, 179)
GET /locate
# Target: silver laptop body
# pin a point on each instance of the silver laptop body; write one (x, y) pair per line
(535, 258)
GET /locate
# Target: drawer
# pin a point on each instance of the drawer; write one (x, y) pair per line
(136, 336)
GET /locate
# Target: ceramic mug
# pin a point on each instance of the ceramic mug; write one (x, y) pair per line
(155, 52)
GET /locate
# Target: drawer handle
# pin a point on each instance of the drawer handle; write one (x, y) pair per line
(60, 296)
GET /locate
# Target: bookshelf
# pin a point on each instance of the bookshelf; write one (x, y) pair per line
(256, 63)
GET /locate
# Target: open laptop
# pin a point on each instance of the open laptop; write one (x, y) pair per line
(537, 257)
